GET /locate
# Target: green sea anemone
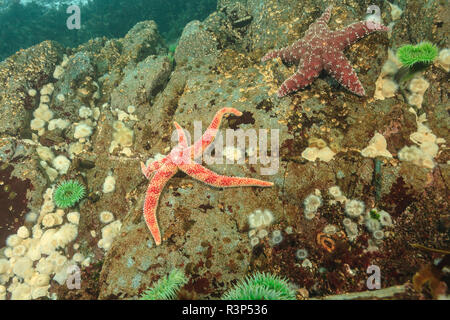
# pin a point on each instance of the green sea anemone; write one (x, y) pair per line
(68, 193)
(374, 214)
(424, 52)
(261, 286)
(171, 54)
(172, 48)
(166, 288)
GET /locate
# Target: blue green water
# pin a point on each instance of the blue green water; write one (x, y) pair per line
(26, 23)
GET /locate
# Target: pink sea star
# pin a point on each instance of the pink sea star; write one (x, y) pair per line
(321, 49)
(182, 158)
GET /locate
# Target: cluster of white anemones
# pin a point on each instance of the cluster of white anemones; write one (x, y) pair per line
(375, 221)
(53, 165)
(109, 233)
(43, 115)
(354, 209)
(36, 255)
(377, 147)
(417, 87)
(385, 86)
(83, 129)
(311, 203)
(336, 193)
(426, 145)
(258, 221)
(318, 149)
(123, 135)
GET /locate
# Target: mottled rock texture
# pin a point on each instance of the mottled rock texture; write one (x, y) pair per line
(205, 230)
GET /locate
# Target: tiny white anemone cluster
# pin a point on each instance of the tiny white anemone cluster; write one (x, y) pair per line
(58, 124)
(85, 112)
(417, 86)
(385, 86)
(354, 209)
(84, 129)
(258, 221)
(51, 172)
(32, 92)
(59, 69)
(31, 217)
(122, 137)
(60, 164)
(336, 193)
(351, 228)
(311, 203)
(318, 149)
(377, 147)
(43, 115)
(276, 238)
(313, 153)
(35, 256)
(426, 148)
(109, 232)
(126, 116)
(110, 184)
(375, 220)
(45, 153)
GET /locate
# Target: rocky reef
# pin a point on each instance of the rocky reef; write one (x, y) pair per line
(361, 181)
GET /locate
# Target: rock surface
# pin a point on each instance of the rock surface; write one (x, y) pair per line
(205, 230)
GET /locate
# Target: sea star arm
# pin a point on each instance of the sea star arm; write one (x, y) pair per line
(289, 54)
(341, 70)
(152, 167)
(208, 137)
(182, 141)
(303, 77)
(207, 176)
(154, 189)
(325, 17)
(345, 37)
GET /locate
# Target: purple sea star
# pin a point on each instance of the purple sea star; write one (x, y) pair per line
(321, 49)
